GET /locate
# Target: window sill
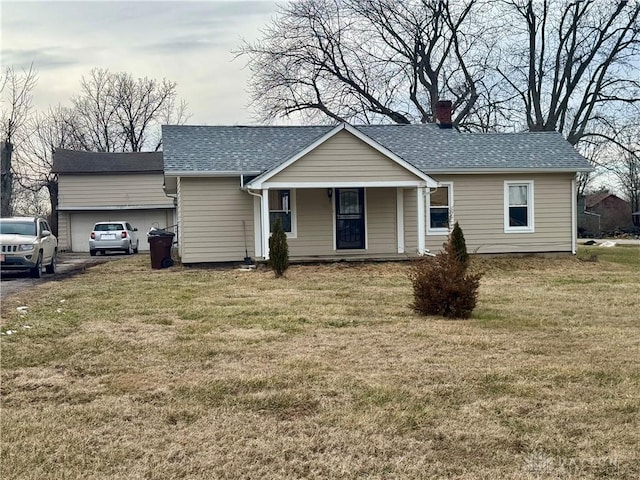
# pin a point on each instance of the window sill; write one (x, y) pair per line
(438, 231)
(519, 230)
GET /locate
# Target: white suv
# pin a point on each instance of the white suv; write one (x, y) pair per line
(27, 243)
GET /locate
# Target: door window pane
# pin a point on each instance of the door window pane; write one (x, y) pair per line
(349, 202)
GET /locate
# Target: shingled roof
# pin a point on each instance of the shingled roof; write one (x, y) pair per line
(72, 161)
(240, 149)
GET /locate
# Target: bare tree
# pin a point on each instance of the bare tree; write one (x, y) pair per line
(625, 166)
(47, 132)
(572, 65)
(372, 61)
(15, 95)
(117, 113)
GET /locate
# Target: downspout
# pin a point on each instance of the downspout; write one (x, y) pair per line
(574, 217)
(259, 195)
(174, 200)
(425, 213)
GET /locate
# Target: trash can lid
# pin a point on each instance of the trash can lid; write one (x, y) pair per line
(159, 232)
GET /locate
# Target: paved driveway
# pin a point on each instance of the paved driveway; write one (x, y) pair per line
(68, 264)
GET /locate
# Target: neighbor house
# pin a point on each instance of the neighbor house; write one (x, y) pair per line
(96, 187)
(378, 191)
(604, 212)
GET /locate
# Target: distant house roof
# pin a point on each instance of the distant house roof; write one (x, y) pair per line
(72, 161)
(594, 199)
(242, 149)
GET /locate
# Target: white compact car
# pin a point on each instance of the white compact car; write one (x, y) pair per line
(118, 235)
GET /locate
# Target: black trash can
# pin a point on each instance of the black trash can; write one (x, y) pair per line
(160, 242)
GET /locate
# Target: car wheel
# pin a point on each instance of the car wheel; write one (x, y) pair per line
(36, 272)
(135, 250)
(51, 268)
(92, 253)
(129, 250)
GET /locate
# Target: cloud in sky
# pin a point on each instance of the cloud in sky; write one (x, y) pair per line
(183, 41)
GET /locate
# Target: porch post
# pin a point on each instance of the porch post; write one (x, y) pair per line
(421, 229)
(400, 218)
(266, 227)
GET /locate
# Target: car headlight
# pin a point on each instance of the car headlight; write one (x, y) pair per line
(25, 247)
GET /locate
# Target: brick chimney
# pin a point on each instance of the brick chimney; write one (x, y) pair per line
(443, 114)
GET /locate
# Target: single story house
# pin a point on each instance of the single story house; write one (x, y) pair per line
(96, 187)
(375, 191)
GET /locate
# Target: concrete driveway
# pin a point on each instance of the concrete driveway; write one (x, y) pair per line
(68, 264)
(618, 241)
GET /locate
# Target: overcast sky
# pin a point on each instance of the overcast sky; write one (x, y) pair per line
(188, 42)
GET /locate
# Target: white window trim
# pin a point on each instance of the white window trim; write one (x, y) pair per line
(294, 217)
(441, 231)
(530, 228)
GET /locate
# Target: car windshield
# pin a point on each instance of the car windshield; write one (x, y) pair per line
(17, 228)
(108, 227)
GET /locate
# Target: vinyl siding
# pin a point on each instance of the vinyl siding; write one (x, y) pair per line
(211, 212)
(64, 231)
(381, 220)
(410, 221)
(344, 158)
(129, 189)
(479, 209)
(314, 212)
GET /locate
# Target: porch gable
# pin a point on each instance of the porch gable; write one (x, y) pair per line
(342, 158)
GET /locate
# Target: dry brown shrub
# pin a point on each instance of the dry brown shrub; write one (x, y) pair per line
(442, 286)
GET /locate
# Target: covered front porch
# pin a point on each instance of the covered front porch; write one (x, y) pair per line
(342, 222)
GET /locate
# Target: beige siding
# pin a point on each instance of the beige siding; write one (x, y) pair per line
(410, 221)
(315, 232)
(479, 208)
(344, 158)
(381, 220)
(314, 213)
(106, 190)
(64, 231)
(211, 212)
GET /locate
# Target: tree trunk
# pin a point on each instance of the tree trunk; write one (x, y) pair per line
(52, 187)
(6, 187)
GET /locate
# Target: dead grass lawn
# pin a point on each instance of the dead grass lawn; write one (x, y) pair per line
(201, 374)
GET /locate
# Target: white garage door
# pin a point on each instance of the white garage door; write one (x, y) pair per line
(143, 220)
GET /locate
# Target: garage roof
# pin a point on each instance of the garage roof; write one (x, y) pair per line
(72, 161)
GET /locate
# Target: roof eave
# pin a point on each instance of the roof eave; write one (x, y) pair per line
(202, 173)
(473, 171)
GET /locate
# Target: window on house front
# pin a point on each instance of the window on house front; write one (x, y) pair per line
(518, 206)
(439, 207)
(281, 206)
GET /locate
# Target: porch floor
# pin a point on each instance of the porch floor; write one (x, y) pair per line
(364, 257)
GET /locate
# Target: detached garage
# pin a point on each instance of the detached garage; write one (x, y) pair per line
(99, 187)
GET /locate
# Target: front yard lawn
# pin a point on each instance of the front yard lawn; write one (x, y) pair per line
(125, 372)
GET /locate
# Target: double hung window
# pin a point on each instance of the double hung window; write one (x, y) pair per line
(518, 206)
(281, 206)
(439, 206)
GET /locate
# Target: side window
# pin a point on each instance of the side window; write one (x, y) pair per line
(518, 206)
(439, 208)
(282, 206)
(129, 227)
(42, 226)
